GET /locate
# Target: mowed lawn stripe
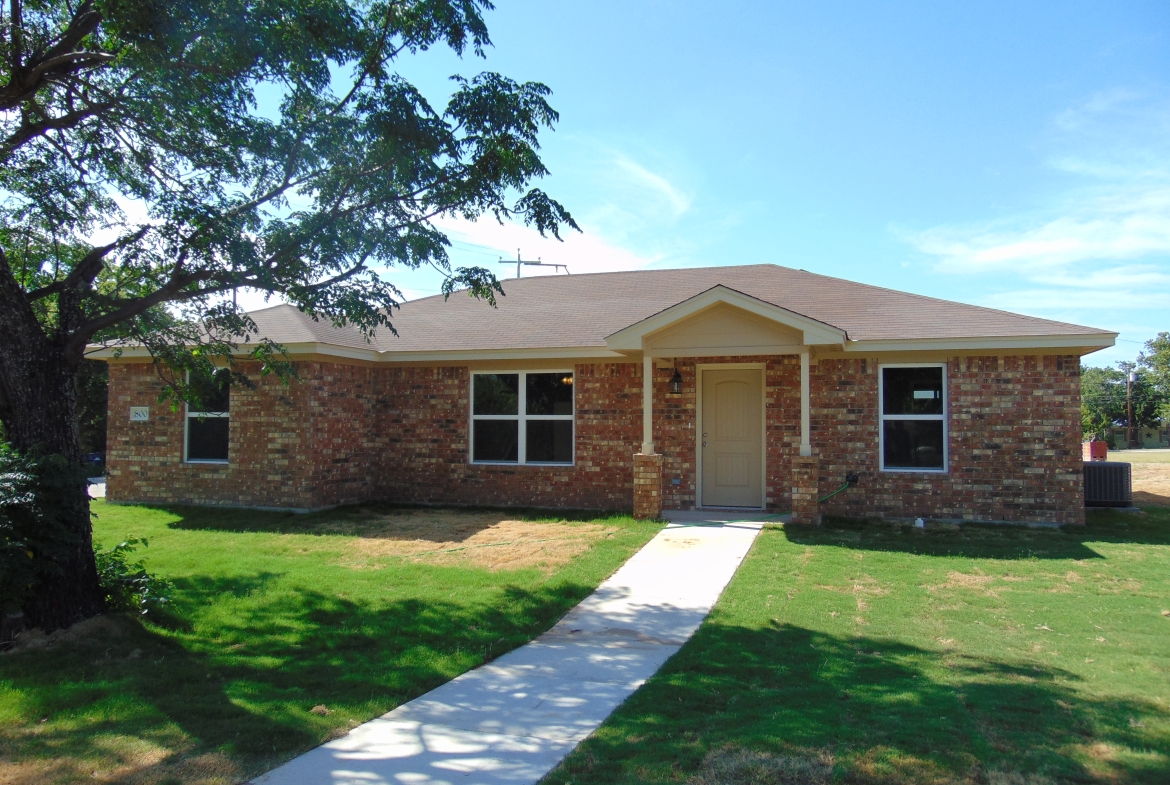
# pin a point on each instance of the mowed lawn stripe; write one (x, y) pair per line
(870, 652)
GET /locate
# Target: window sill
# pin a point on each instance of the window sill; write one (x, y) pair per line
(517, 463)
(912, 470)
(209, 462)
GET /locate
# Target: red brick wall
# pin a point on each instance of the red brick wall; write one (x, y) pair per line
(304, 445)
(1014, 442)
(343, 434)
(425, 420)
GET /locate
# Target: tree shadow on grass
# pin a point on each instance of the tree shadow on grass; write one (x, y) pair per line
(371, 520)
(990, 541)
(241, 687)
(884, 712)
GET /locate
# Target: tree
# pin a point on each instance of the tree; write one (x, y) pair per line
(1156, 361)
(1102, 401)
(143, 183)
(1105, 400)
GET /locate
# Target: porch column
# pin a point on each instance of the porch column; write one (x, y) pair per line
(647, 404)
(647, 465)
(805, 405)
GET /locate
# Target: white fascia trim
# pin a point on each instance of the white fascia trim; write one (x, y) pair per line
(95, 352)
(372, 355)
(1092, 341)
(552, 353)
(630, 338)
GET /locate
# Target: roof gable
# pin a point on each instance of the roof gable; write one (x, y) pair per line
(807, 331)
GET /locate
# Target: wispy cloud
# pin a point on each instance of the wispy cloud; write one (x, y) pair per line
(1125, 219)
(639, 177)
(1101, 242)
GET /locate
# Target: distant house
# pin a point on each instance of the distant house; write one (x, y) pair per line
(1145, 437)
(754, 387)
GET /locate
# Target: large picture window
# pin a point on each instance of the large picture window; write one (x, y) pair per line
(913, 417)
(523, 417)
(208, 422)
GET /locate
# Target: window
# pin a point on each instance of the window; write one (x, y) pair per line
(913, 417)
(207, 421)
(522, 417)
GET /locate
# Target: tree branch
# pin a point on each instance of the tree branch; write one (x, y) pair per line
(169, 292)
(29, 131)
(88, 268)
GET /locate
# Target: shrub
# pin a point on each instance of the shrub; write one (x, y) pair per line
(127, 585)
(35, 497)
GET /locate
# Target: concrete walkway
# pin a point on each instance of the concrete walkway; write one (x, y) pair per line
(514, 719)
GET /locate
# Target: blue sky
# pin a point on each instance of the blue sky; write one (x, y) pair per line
(1014, 155)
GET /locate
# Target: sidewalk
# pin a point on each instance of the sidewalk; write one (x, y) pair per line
(514, 719)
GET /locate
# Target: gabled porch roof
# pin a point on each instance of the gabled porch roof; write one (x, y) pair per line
(805, 331)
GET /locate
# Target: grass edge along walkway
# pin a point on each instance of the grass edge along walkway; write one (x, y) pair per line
(874, 653)
(286, 630)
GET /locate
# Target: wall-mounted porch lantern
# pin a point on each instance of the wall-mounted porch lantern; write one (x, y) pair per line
(676, 383)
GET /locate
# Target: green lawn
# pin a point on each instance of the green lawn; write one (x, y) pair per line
(877, 653)
(286, 630)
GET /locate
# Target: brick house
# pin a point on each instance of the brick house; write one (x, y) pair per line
(755, 387)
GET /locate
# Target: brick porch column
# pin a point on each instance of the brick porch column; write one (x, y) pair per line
(647, 486)
(805, 479)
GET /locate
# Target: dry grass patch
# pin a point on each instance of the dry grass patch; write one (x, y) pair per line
(149, 769)
(486, 540)
(733, 766)
(1151, 483)
(99, 627)
(978, 582)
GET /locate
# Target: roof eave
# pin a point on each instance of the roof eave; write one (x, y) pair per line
(1075, 342)
(101, 352)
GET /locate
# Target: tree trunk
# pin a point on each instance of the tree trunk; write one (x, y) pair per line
(38, 397)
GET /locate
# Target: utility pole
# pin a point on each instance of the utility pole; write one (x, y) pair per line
(1130, 378)
(537, 263)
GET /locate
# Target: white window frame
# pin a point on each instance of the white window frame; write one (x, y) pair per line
(521, 417)
(944, 417)
(188, 414)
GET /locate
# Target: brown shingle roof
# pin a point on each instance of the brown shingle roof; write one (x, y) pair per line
(581, 310)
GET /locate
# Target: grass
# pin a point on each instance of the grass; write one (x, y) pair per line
(1140, 456)
(1150, 473)
(286, 630)
(876, 653)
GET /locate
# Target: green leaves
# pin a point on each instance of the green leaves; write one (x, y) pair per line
(126, 585)
(1105, 400)
(148, 135)
(35, 535)
(1156, 361)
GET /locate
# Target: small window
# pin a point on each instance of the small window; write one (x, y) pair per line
(208, 421)
(522, 417)
(913, 418)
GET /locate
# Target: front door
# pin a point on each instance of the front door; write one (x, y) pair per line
(732, 438)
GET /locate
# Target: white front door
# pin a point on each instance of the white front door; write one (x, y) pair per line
(733, 438)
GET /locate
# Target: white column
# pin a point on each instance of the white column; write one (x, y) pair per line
(647, 404)
(805, 395)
